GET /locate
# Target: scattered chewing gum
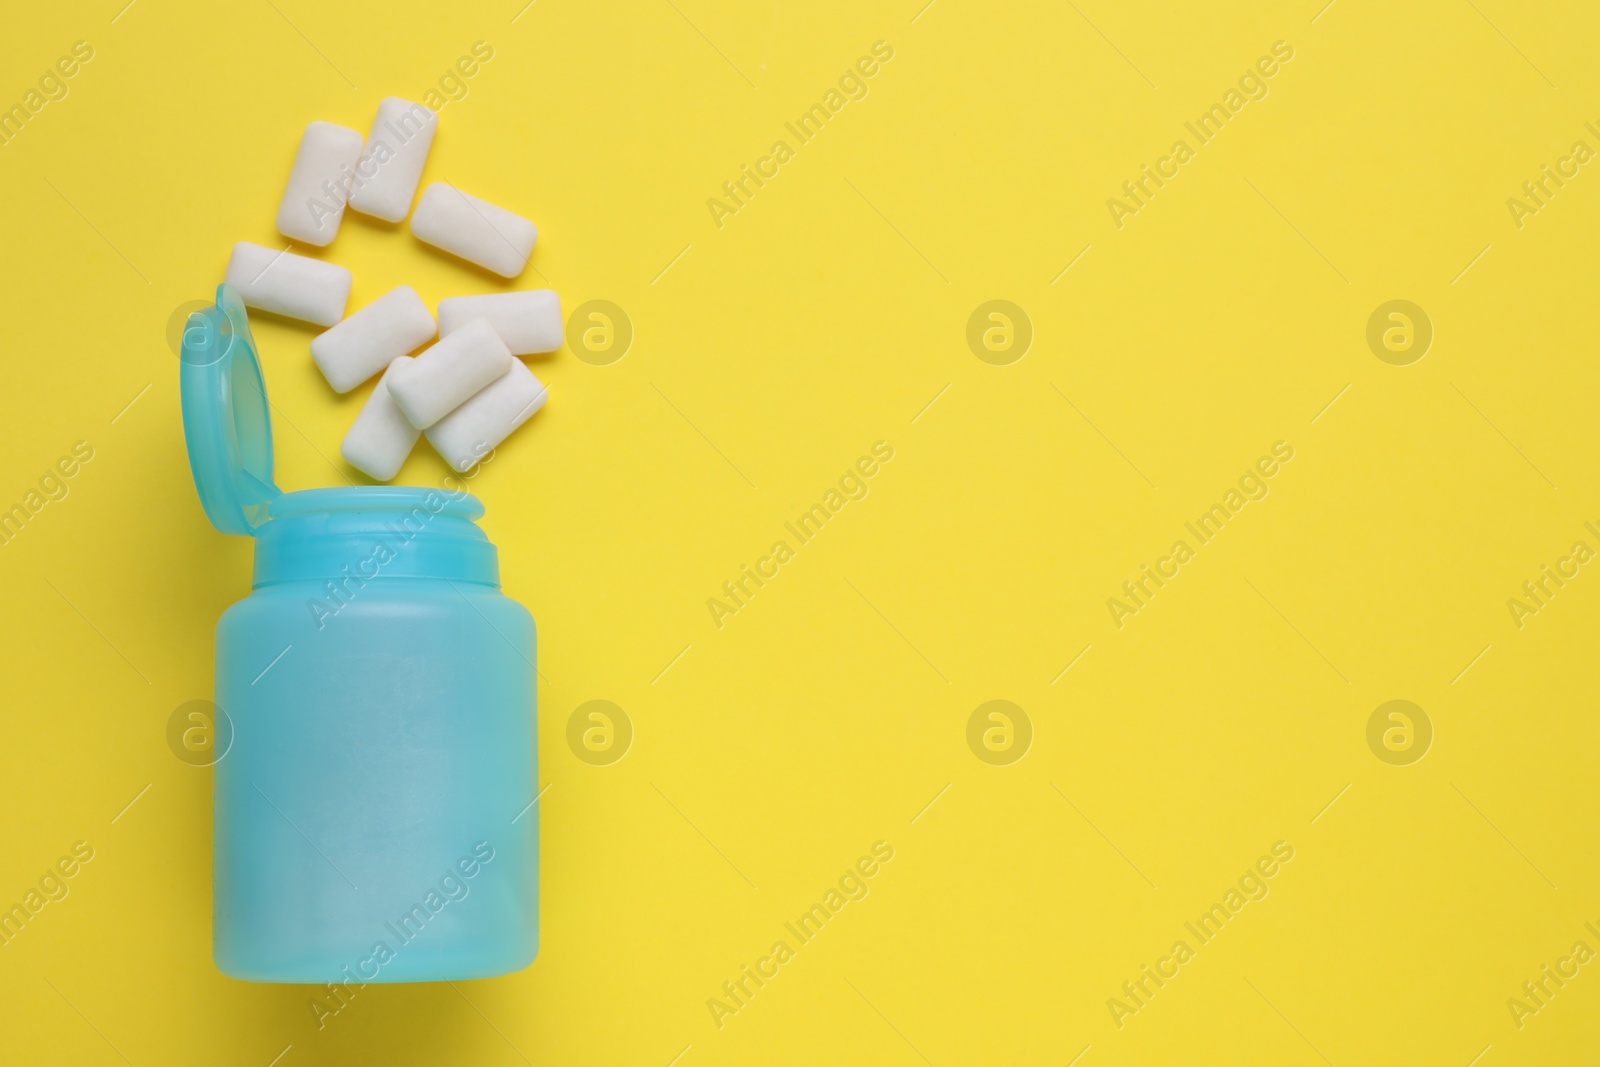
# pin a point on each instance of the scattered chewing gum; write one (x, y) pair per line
(380, 439)
(430, 386)
(391, 166)
(286, 284)
(369, 340)
(476, 230)
(528, 322)
(313, 201)
(479, 425)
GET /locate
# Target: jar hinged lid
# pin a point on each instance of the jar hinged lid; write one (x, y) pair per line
(227, 422)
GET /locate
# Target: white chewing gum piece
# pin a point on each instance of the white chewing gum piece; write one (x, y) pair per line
(286, 284)
(391, 166)
(474, 429)
(380, 439)
(369, 340)
(528, 322)
(430, 386)
(319, 183)
(476, 230)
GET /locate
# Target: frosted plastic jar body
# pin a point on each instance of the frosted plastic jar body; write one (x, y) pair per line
(371, 817)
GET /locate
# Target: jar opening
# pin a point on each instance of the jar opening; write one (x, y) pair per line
(362, 533)
(377, 497)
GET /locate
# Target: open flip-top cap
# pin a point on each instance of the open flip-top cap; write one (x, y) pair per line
(226, 421)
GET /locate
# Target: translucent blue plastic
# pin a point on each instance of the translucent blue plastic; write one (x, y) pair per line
(373, 816)
(226, 419)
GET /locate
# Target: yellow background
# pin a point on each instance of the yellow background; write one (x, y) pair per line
(828, 713)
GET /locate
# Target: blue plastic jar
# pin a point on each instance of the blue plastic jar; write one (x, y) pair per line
(372, 815)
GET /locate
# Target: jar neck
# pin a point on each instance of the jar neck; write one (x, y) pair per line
(367, 533)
